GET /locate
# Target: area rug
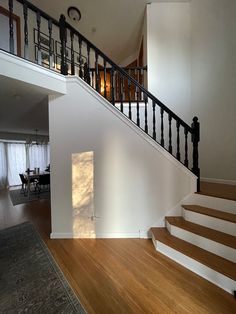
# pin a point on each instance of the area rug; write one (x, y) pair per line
(31, 281)
(17, 197)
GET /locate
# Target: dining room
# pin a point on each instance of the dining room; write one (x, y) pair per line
(25, 168)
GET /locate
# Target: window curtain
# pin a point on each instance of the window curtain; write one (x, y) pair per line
(3, 166)
(38, 156)
(16, 162)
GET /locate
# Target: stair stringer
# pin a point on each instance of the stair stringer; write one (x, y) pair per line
(136, 181)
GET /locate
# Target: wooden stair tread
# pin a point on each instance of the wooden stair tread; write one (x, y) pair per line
(211, 234)
(211, 260)
(219, 190)
(211, 212)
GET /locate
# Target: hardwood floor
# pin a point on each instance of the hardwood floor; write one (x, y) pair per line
(218, 190)
(121, 275)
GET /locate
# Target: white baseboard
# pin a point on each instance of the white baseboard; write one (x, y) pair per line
(221, 181)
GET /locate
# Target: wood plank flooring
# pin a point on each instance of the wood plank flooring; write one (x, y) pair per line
(121, 275)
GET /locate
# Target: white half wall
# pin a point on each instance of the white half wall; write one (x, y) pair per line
(134, 180)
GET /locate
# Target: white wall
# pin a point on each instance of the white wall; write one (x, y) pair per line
(213, 84)
(168, 55)
(135, 181)
(191, 68)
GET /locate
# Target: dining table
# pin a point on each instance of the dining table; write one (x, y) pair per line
(29, 175)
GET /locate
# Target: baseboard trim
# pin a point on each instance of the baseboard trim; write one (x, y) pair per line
(221, 181)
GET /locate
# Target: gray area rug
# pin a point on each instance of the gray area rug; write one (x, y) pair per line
(17, 197)
(30, 280)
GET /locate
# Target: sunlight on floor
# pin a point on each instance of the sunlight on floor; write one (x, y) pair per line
(83, 194)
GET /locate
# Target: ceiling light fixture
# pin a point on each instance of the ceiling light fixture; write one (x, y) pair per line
(36, 136)
(74, 14)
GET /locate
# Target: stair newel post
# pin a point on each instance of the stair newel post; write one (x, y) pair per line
(186, 147)
(26, 33)
(63, 38)
(11, 26)
(195, 140)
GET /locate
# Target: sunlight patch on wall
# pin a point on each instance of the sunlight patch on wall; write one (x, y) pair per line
(83, 194)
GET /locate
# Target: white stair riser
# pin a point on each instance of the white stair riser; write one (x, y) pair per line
(210, 222)
(204, 243)
(211, 275)
(212, 202)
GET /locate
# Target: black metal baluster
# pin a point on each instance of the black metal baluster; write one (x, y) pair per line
(138, 113)
(112, 87)
(93, 78)
(97, 73)
(146, 114)
(72, 53)
(50, 44)
(63, 38)
(121, 93)
(178, 141)
(80, 59)
(39, 55)
(154, 136)
(11, 27)
(170, 135)
(162, 128)
(26, 33)
(186, 147)
(105, 77)
(88, 66)
(129, 97)
(195, 141)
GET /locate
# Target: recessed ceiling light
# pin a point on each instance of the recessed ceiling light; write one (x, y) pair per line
(74, 14)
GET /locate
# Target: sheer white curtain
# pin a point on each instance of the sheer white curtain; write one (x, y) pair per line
(38, 156)
(16, 162)
(3, 166)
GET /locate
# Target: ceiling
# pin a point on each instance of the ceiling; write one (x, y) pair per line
(114, 26)
(23, 109)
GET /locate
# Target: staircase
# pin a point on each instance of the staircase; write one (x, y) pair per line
(203, 240)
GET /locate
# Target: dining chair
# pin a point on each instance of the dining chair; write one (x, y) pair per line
(24, 183)
(43, 183)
